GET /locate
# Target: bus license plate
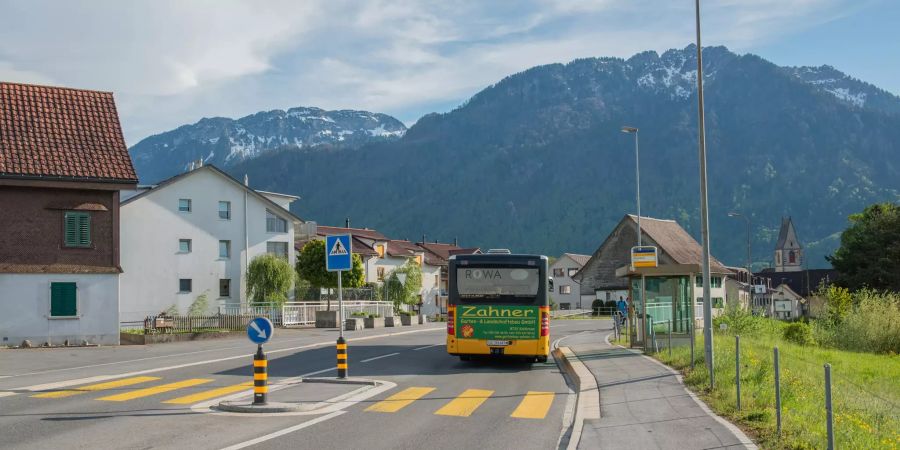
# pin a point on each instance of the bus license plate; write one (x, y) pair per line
(498, 343)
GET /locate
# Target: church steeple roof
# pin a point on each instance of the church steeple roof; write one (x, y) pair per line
(787, 229)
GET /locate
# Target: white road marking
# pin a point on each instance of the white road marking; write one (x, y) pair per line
(284, 431)
(427, 346)
(99, 378)
(379, 357)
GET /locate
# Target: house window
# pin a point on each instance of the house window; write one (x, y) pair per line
(718, 302)
(792, 258)
(437, 280)
(565, 289)
(184, 246)
(277, 248)
(225, 287)
(558, 272)
(275, 224)
(63, 299)
(380, 272)
(184, 205)
(572, 271)
(715, 282)
(380, 250)
(224, 249)
(77, 229)
(184, 285)
(225, 210)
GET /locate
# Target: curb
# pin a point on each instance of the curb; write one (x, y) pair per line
(270, 407)
(362, 381)
(587, 403)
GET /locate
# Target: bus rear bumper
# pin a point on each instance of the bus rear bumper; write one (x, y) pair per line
(473, 347)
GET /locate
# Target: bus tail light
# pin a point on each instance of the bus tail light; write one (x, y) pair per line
(545, 323)
(451, 323)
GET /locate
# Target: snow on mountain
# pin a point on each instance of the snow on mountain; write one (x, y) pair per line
(224, 142)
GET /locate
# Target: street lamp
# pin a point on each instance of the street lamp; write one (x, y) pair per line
(749, 257)
(704, 209)
(637, 178)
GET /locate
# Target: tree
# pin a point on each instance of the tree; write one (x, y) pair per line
(408, 291)
(869, 255)
(200, 306)
(269, 278)
(311, 268)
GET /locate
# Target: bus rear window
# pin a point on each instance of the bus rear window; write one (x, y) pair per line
(495, 282)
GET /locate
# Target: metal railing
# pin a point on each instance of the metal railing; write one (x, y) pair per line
(304, 313)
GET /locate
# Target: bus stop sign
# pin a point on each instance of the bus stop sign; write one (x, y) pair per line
(644, 256)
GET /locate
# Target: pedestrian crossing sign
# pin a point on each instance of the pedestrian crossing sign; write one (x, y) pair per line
(338, 253)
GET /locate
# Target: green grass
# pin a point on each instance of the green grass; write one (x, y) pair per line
(865, 391)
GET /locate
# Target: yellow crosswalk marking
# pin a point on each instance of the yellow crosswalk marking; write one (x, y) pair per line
(535, 405)
(212, 393)
(154, 390)
(400, 400)
(465, 404)
(95, 387)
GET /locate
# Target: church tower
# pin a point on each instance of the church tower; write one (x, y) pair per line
(788, 251)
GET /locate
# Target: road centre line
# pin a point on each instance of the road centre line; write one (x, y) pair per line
(427, 346)
(99, 378)
(379, 357)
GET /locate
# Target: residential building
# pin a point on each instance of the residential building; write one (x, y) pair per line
(63, 161)
(194, 234)
(737, 287)
(787, 304)
(566, 291)
(438, 255)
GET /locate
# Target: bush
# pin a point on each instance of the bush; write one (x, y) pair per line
(799, 333)
(200, 306)
(873, 325)
(610, 305)
(741, 321)
(595, 307)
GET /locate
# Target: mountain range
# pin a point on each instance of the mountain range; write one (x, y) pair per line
(537, 162)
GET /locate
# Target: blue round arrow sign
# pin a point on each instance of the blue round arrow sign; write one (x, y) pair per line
(259, 330)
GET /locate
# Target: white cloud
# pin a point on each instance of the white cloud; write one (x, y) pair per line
(174, 62)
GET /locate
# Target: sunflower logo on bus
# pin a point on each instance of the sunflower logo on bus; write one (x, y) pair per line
(468, 331)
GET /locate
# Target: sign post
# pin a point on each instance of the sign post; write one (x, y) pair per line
(338, 258)
(259, 331)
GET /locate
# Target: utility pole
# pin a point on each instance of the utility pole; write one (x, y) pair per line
(704, 210)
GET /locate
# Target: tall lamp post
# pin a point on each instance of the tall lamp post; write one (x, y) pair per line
(749, 257)
(637, 177)
(704, 209)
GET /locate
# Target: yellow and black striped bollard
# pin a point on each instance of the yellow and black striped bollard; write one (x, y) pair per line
(260, 377)
(341, 357)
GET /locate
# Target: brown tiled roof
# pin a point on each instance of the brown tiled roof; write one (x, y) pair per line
(580, 259)
(438, 254)
(61, 133)
(676, 242)
(402, 248)
(323, 230)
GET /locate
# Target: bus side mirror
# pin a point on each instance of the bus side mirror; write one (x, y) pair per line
(549, 284)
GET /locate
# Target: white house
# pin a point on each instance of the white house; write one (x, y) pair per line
(566, 291)
(194, 234)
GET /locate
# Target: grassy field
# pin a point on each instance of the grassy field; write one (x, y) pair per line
(865, 391)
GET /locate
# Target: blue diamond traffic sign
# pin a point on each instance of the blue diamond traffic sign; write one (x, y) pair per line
(338, 253)
(259, 330)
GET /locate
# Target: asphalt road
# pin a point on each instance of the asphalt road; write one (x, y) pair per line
(142, 396)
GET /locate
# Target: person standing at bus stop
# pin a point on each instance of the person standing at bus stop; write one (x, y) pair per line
(622, 308)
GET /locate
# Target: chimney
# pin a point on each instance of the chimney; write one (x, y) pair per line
(347, 223)
(246, 180)
(455, 243)
(423, 238)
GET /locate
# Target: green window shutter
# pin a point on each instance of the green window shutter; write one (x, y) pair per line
(77, 229)
(84, 230)
(63, 299)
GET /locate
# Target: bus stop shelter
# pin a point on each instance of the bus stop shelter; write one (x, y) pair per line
(661, 310)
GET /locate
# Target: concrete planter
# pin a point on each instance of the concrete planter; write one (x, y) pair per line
(374, 322)
(392, 321)
(406, 320)
(326, 319)
(354, 324)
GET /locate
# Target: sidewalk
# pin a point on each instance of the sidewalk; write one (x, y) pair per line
(643, 405)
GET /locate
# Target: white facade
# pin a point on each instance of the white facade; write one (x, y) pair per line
(162, 243)
(566, 291)
(431, 289)
(25, 303)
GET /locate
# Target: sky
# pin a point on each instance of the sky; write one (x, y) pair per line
(172, 62)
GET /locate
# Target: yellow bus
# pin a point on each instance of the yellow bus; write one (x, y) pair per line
(498, 306)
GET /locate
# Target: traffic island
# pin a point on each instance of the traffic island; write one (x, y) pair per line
(270, 407)
(299, 397)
